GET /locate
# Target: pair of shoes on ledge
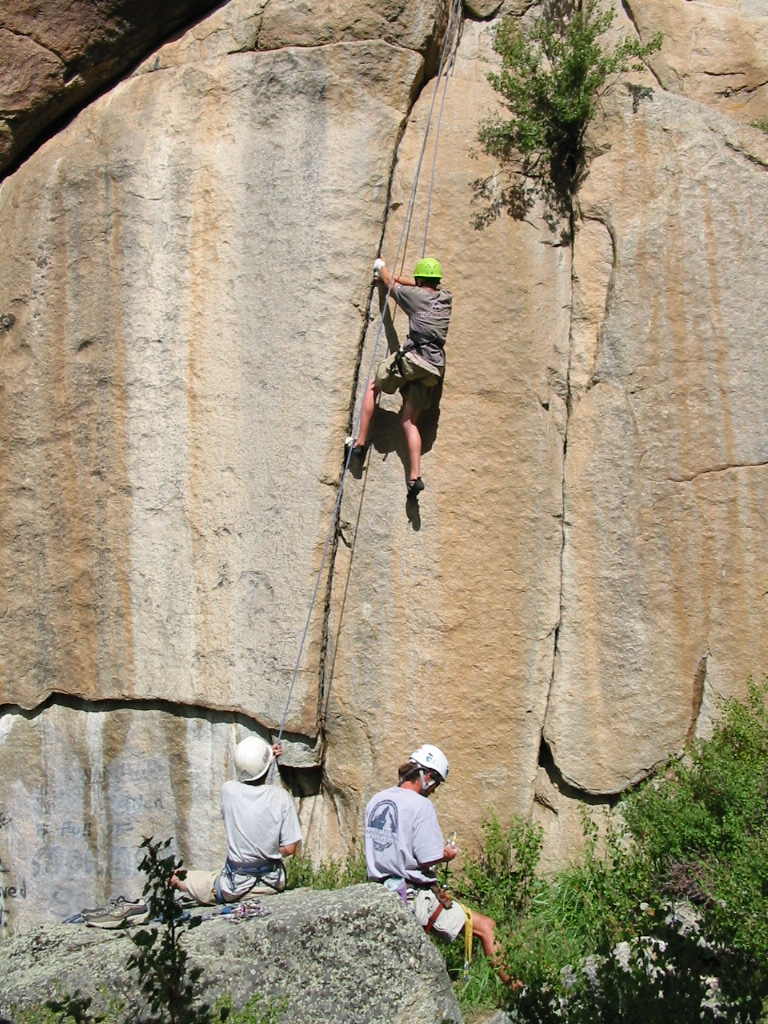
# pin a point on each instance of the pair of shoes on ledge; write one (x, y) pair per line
(119, 912)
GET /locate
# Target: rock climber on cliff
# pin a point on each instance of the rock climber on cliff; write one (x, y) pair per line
(419, 364)
(262, 827)
(403, 843)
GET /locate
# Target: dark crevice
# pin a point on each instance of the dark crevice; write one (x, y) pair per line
(715, 470)
(568, 410)
(627, 8)
(750, 157)
(302, 781)
(547, 762)
(167, 707)
(697, 696)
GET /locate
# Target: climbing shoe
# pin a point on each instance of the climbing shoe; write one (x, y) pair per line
(358, 450)
(415, 487)
(118, 913)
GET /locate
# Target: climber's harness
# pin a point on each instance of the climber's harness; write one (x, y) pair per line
(397, 363)
(257, 872)
(407, 891)
(444, 902)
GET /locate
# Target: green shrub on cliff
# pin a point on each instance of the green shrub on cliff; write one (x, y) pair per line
(665, 918)
(552, 78)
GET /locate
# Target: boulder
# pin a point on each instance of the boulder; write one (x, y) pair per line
(354, 956)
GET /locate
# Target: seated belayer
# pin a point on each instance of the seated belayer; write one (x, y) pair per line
(262, 827)
(403, 844)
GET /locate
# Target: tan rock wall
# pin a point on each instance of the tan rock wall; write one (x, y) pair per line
(714, 53)
(449, 610)
(162, 319)
(183, 306)
(665, 473)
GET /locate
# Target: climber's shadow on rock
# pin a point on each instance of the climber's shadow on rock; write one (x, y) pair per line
(387, 438)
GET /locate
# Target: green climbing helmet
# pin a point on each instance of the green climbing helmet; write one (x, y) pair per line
(428, 268)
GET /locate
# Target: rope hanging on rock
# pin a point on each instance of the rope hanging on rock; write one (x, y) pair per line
(451, 36)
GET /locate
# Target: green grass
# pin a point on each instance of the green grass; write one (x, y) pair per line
(329, 873)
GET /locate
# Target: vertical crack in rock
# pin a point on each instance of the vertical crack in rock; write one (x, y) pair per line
(627, 8)
(697, 696)
(568, 409)
(592, 270)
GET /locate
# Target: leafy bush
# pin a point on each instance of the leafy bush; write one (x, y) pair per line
(501, 878)
(702, 830)
(168, 982)
(552, 78)
(257, 1010)
(69, 1009)
(665, 918)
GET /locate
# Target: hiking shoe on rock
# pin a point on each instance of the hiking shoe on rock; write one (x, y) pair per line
(415, 487)
(100, 910)
(117, 912)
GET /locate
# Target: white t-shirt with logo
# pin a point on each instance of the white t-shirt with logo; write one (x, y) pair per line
(401, 833)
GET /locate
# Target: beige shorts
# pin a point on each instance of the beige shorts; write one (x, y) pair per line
(415, 382)
(448, 923)
(201, 886)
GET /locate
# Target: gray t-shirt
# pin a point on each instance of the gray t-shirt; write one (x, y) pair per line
(259, 820)
(401, 833)
(429, 314)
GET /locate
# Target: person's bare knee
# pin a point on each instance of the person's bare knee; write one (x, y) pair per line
(485, 929)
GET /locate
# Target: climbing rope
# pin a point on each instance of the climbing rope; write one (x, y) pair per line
(451, 36)
(452, 59)
(467, 941)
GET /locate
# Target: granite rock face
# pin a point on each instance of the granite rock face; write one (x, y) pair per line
(714, 53)
(56, 56)
(187, 322)
(665, 477)
(353, 957)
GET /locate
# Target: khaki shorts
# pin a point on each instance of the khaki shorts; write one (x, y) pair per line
(448, 923)
(415, 382)
(201, 886)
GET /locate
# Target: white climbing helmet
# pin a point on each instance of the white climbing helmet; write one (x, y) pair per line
(432, 758)
(253, 756)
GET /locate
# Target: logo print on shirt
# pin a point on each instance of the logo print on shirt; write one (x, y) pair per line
(382, 825)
